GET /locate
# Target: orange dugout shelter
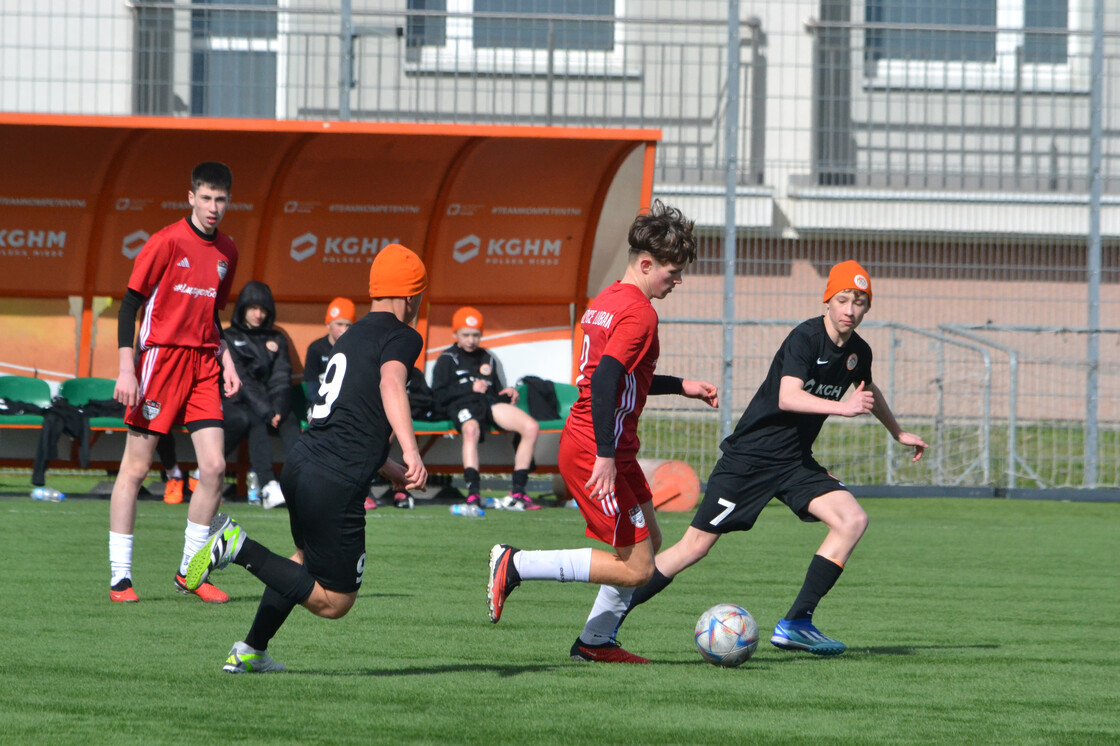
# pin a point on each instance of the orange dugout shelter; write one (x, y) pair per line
(525, 223)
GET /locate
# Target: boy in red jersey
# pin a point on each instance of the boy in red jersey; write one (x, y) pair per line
(181, 278)
(599, 446)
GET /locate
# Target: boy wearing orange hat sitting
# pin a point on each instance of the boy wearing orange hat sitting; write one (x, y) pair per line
(770, 455)
(468, 389)
(340, 315)
(361, 403)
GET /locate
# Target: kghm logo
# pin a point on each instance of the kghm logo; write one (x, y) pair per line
(21, 239)
(823, 390)
(537, 251)
(303, 246)
(133, 242)
(339, 249)
(466, 248)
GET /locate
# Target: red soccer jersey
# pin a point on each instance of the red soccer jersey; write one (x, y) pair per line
(185, 279)
(620, 322)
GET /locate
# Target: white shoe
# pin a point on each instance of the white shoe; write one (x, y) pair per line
(272, 496)
(508, 503)
(244, 659)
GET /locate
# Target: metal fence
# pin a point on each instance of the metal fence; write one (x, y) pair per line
(965, 151)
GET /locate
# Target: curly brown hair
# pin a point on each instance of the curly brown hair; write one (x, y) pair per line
(664, 233)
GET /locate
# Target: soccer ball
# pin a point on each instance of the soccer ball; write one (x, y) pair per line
(726, 635)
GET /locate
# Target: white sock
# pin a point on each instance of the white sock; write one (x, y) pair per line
(606, 614)
(193, 539)
(120, 557)
(175, 472)
(564, 565)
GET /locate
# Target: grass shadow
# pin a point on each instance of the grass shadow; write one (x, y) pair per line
(913, 649)
(504, 671)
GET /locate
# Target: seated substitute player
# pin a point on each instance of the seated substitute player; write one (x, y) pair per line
(599, 446)
(181, 278)
(361, 402)
(264, 404)
(340, 315)
(770, 455)
(468, 390)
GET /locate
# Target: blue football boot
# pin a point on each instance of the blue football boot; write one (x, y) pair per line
(800, 634)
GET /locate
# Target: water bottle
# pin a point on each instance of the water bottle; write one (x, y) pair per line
(254, 483)
(47, 495)
(467, 509)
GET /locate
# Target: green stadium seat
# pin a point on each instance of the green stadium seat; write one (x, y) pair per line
(80, 391)
(566, 395)
(29, 391)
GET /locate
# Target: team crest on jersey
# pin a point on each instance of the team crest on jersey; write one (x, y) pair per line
(485, 369)
(637, 517)
(852, 361)
(151, 409)
(272, 346)
(223, 267)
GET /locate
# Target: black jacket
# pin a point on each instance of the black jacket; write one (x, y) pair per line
(260, 356)
(455, 373)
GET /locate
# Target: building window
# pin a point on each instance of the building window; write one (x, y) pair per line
(975, 44)
(570, 37)
(234, 59)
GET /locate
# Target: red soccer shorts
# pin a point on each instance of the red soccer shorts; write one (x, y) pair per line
(177, 385)
(616, 520)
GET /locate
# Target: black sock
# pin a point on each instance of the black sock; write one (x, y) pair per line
(474, 482)
(271, 613)
(290, 579)
(644, 593)
(520, 479)
(819, 579)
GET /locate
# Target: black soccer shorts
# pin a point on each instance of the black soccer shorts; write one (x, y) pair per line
(738, 491)
(328, 521)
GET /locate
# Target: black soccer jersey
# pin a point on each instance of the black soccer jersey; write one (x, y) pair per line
(348, 432)
(766, 433)
(455, 372)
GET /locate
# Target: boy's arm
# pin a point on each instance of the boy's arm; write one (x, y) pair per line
(127, 388)
(231, 381)
(884, 414)
(702, 390)
(394, 399)
(792, 397)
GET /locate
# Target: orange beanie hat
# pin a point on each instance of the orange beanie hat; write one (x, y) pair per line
(341, 308)
(396, 272)
(847, 276)
(466, 318)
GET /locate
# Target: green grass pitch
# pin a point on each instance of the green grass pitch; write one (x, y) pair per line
(967, 621)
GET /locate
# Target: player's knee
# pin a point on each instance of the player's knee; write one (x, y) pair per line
(135, 470)
(531, 431)
(211, 467)
(643, 575)
(854, 523)
(639, 570)
(471, 429)
(337, 608)
(334, 612)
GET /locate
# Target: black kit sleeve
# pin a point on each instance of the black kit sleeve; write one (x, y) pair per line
(604, 395)
(126, 318)
(662, 385)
